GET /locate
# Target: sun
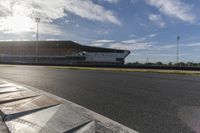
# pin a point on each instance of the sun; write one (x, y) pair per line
(19, 20)
(18, 24)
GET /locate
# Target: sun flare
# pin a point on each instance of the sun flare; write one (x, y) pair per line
(18, 24)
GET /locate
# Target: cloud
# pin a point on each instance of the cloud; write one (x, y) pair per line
(174, 8)
(133, 44)
(83, 8)
(16, 14)
(133, 1)
(66, 21)
(197, 44)
(87, 9)
(77, 25)
(104, 41)
(156, 47)
(152, 35)
(132, 35)
(138, 40)
(50, 29)
(111, 1)
(103, 32)
(25, 24)
(136, 44)
(157, 19)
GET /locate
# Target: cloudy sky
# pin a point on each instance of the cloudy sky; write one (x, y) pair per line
(148, 28)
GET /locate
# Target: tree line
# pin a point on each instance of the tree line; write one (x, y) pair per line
(170, 64)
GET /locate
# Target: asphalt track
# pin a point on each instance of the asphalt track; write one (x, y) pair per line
(145, 102)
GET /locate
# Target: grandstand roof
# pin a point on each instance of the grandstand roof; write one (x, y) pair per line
(54, 44)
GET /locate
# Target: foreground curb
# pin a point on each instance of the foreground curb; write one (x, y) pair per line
(25, 109)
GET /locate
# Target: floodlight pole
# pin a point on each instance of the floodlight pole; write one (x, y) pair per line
(37, 21)
(178, 38)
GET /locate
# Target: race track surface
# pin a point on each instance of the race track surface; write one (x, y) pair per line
(145, 102)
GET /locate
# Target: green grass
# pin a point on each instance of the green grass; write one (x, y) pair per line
(180, 72)
(1, 65)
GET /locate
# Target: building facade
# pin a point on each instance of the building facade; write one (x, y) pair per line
(58, 52)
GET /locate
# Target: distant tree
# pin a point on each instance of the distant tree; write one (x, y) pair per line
(159, 63)
(137, 63)
(198, 64)
(149, 64)
(190, 64)
(170, 64)
(182, 64)
(134, 63)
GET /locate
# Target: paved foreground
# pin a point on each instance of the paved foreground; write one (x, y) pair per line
(26, 109)
(142, 101)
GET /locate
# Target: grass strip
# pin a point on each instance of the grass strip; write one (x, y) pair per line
(180, 72)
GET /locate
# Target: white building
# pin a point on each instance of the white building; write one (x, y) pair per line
(58, 52)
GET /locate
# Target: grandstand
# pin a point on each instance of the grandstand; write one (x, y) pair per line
(58, 52)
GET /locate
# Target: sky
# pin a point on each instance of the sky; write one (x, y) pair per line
(148, 28)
